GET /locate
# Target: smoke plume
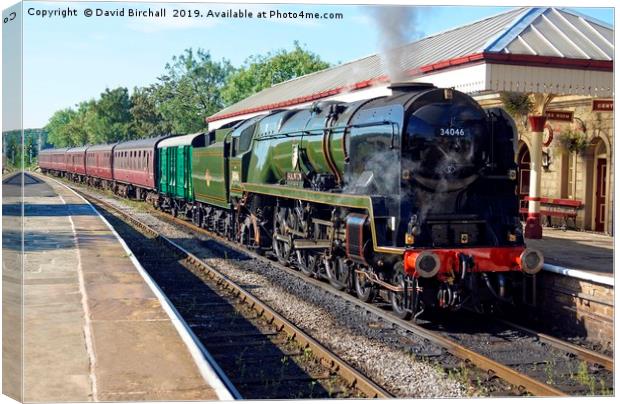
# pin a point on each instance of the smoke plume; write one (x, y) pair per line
(396, 27)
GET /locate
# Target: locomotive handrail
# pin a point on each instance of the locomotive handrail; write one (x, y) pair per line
(330, 128)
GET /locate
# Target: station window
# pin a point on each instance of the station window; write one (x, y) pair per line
(570, 177)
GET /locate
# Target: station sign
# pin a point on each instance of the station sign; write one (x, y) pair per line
(566, 116)
(602, 105)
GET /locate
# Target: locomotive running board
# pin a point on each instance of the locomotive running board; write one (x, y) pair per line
(311, 244)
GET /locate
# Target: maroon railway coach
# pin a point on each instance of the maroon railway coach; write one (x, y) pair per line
(76, 162)
(99, 161)
(135, 167)
(53, 160)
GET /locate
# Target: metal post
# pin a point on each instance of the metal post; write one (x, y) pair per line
(533, 228)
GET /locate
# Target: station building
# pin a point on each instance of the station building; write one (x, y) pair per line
(562, 59)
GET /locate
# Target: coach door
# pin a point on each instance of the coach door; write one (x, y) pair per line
(601, 194)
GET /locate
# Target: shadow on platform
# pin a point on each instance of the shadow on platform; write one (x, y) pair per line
(42, 210)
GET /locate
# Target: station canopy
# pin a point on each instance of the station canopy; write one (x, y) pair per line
(544, 50)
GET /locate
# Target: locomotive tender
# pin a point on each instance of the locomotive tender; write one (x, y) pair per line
(412, 195)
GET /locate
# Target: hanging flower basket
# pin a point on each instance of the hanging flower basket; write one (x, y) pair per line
(573, 141)
(516, 104)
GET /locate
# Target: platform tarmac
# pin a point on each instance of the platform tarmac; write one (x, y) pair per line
(93, 329)
(584, 254)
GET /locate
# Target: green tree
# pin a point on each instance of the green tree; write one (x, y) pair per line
(109, 118)
(78, 127)
(262, 71)
(57, 127)
(146, 120)
(12, 147)
(190, 90)
(105, 120)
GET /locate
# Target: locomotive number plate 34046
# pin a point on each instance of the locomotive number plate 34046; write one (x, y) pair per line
(451, 132)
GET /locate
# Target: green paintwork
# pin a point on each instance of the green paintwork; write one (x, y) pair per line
(313, 141)
(220, 134)
(175, 165)
(210, 174)
(164, 171)
(273, 157)
(257, 154)
(328, 198)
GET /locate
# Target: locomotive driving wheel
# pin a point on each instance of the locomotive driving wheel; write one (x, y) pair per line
(398, 300)
(365, 290)
(338, 272)
(281, 239)
(308, 262)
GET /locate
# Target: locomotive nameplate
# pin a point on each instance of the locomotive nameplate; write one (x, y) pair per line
(295, 179)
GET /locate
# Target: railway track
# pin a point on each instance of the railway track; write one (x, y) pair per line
(263, 354)
(536, 363)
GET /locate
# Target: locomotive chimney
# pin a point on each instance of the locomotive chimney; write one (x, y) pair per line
(403, 87)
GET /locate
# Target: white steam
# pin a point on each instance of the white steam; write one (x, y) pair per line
(396, 27)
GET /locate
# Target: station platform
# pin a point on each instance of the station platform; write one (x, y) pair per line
(578, 254)
(94, 328)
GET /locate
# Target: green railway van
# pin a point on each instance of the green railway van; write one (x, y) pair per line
(175, 166)
(210, 170)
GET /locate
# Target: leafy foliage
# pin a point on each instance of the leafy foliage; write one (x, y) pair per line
(96, 121)
(21, 149)
(58, 127)
(190, 90)
(516, 104)
(109, 118)
(193, 86)
(573, 141)
(262, 71)
(78, 128)
(146, 120)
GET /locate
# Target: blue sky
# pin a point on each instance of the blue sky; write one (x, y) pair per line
(74, 59)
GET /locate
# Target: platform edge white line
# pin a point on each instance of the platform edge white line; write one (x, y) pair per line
(583, 275)
(203, 359)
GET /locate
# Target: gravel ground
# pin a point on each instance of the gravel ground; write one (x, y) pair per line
(360, 338)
